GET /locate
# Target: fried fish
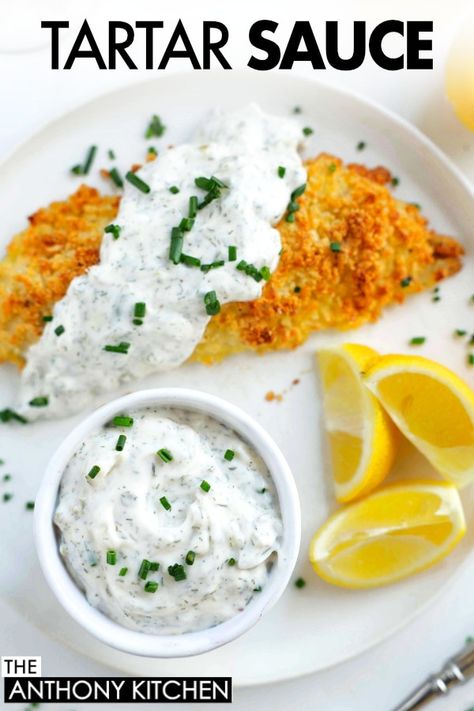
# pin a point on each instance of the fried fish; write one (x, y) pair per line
(352, 249)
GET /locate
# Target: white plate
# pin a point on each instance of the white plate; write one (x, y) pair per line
(318, 626)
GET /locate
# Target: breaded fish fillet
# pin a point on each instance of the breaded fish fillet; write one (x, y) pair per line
(352, 249)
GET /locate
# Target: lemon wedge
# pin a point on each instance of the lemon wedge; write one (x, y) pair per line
(362, 439)
(399, 530)
(433, 408)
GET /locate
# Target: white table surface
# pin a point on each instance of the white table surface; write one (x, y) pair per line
(31, 94)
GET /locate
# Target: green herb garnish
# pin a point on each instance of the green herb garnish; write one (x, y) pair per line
(177, 572)
(229, 454)
(190, 557)
(123, 572)
(59, 330)
(137, 182)
(8, 415)
(417, 340)
(165, 503)
(85, 168)
(156, 127)
(116, 177)
(93, 472)
(176, 245)
(205, 486)
(460, 332)
(114, 230)
(144, 569)
(154, 566)
(122, 421)
(335, 246)
(111, 154)
(111, 557)
(30, 505)
(361, 145)
(7, 497)
(406, 282)
(258, 589)
(47, 318)
(231, 562)
(281, 171)
(120, 443)
(212, 265)
(189, 261)
(193, 206)
(121, 347)
(174, 189)
(300, 583)
(40, 401)
(307, 131)
(165, 455)
(395, 182)
(211, 303)
(151, 586)
(232, 253)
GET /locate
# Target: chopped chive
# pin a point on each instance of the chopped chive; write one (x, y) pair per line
(177, 572)
(111, 557)
(232, 253)
(406, 282)
(47, 318)
(395, 182)
(89, 160)
(460, 332)
(258, 589)
(229, 454)
(165, 503)
(361, 145)
(212, 265)
(470, 359)
(190, 557)
(120, 443)
(265, 273)
(156, 127)
(416, 204)
(114, 230)
(76, 169)
(300, 583)
(7, 497)
(154, 566)
(262, 491)
(137, 322)
(281, 171)
(417, 340)
(205, 486)
(139, 309)
(40, 401)
(189, 261)
(123, 572)
(30, 505)
(121, 347)
(151, 586)
(203, 183)
(212, 304)
(93, 472)
(297, 109)
(116, 177)
(213, 187)
(335, 246)
(151, 150)
(144, 569)
(298, 192)
(122, 421)
(6, 477)
(332, 168)
(436, 297)
(249, 269)
(111, 154)
(176, 245)
(231, 562)
(59, 330)
(186, 224)
(174, 189)
(193, 206)
(165, 455)
(7, 415)
(290, 217)
(2, 461)
(137, 182)
(307, 131)
(297, 289)
(293, 206)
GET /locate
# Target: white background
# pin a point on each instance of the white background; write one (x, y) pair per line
(31, 94)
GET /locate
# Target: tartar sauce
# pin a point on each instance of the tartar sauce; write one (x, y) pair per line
(174, 541)
(255, 156)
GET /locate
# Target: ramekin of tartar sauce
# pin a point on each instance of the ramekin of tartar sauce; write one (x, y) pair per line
(167, 523)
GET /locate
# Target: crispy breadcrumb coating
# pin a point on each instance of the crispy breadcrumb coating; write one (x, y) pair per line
(353, 249)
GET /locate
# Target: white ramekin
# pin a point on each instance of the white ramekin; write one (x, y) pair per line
(73, 599)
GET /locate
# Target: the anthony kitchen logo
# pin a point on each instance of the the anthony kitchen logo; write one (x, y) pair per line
(23, 683)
